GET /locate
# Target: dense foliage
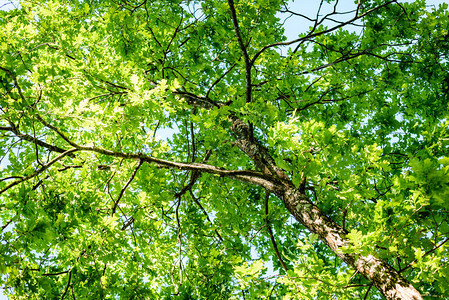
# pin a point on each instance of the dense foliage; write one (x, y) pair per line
(351, 115)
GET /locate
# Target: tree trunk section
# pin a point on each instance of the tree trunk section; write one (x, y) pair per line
(386, 279)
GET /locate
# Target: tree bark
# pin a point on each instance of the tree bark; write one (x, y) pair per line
(385, 278)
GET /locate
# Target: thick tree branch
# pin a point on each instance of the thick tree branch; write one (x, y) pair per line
(248, 176)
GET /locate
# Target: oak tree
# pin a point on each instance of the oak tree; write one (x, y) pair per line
(187, 149)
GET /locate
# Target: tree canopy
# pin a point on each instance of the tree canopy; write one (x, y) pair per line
(310, 168)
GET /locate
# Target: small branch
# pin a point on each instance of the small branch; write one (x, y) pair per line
(107, 94)
(14, 78)
(188, 188)
(128, 223)
(35, 173)
(6, 224)
(197, 202)
(114, 85)
(367, 292)
(29, 138)
(56, 274)
(425, 254)
(10, 177)
(270, 231)
(36, 148)
(137, 7)
(312, 35)
(219, 79)
(195, 100)
(126, 186)
(193, 177)
(248, 63)
(67, 286)
(64, 137)
(71, 167)
(179, 239)
(192, 135)
(155, 129)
